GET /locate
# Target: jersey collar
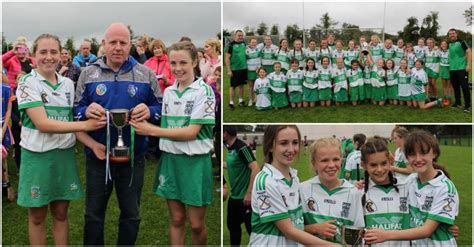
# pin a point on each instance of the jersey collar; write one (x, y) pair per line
(345, 184)
(194, 85)
(276, 174)
(37, 75)
(437, 181)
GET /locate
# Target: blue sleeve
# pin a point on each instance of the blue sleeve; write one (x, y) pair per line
(76, 61)
(154, 100)
(81, 101)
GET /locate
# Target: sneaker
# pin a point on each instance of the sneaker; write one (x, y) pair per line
(455, 106)
(231, 106)
(242, 103)
(250, 103)
(467, 109)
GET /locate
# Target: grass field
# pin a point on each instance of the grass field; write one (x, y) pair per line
(365, 113)
(154, 215)
(458, 162)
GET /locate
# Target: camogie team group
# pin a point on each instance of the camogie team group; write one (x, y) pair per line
(373, 72)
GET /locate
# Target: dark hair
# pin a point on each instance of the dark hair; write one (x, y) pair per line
(185, 38)
(261, 68)
(402, 132)
(187, 46)
(294, 61)
(230, 129)
(46, 36)
(421, 61)
(218, 68)
(279, 47)
(310, 59)
(269, 138)
(423, 141)
(360, 139)
(372, 146)
(323, 57)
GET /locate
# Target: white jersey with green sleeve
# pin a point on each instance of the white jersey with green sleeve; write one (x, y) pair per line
(277, 82)
(388, 53)
(411, 58)
(387, 209)
(420, 52)
(404, 86)
(314, 54)
(324, 78)
(391, 77)
(432, 60)
(295, 80)
(400, 161)
(284, 58)
(378, 77)
(268, 54)
(351, 54)
(367, 75)
(336, 54)
(340, 79)
(298, 55)
(444, 58)
(194, 105)
(274, 198)
(398, 56)
(376, 51)
(311, 79)
(254, 59)
(355, 77)
(418, 81)
(353, 167)
(436, 200)
(324, 53)
(57, 100)
(263, 93)
(342, 204)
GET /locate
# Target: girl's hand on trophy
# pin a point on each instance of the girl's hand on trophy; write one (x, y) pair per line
(142, 127)
(140, 112)
(99, 150)
(94, 124)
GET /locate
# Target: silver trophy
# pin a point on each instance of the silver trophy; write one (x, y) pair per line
(120, 153)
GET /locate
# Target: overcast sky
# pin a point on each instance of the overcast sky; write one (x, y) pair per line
(369, 15)
(166, 21)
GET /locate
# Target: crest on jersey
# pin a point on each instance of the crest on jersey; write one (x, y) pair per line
(23, 94)
(44, 97)
(312, 205)
(167, 108)
(132, 90)
(448, 207)
(345, 209)
(188, 109)
(209, 104)
(427, 205)
(370, 206)
(263, 202)
(35, 192)
(68, 97)
(101, 89)
(403, 204)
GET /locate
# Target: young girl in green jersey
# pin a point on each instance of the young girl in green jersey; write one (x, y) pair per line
(324, 82)
(337, 53)
(295, 79)
(418, 81)
(404, 87)
(378, 76)
(410, 55)
(310, 84)
(433, 201)
(268, 53)
(324, 51)
(400, 168)
(376, 48)
(365, 60)
(399, 52)
(263, 92)
(388, 51)
(420, 49)
(311, 51)
(278, 83)
(351, 54)
(330, 204)
(298, 53)
(277, 218)
(356, 83)
(432, 68)
(254, 61)
(282, 55)
(444, 72)
(392, 82)
(48, 174)
(339, 78)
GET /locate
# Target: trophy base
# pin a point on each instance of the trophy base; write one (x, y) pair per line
(120, 155)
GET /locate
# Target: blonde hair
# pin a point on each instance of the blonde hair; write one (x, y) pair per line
(375, 36)
(158, 43)
(214, 43)
(323, 143)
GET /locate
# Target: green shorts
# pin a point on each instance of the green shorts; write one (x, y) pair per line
(185, 178)
(251, 75)
(418, 97)
(279, 100)
(444, 72)
(357, 93)
(405, 98)
(268, 68)
(392, 92)
(431, 73)
(310, 95)
(379, 93)
(325, 94)
(47, 177)
(368, 91)
(341, 96)
(296, 97)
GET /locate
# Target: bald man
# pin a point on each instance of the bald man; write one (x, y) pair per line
(116, 81)
(85, 57)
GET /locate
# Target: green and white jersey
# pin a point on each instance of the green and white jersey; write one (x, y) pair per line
(398, 56)
(254, 59)
(391, 77)
(420, 52)
(238, 59)
(295, 80)
(404, 86)
(350, 55)
(274, 198)
(387, 209)
(418, 81)
(277, 82)
(378, 77)
(388, 53)
(376, 51)
(263, 93)
(354, 167)
(35, 91)
(400, 161)
(298, 55)
(239, 157)
(195, 105)
(268, 54)
(355, 77)
(284, 58)
(436, 200)
(324, 77)
(340, 79)
(444, 58)
(314, 54)
(311, 79)
(342, 204)
(411, 58)
(367, 75)
(336, 54)
(432, 60)
(324, 53)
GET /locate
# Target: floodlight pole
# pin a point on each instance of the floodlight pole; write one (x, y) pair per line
(304, 30)
(383, 29)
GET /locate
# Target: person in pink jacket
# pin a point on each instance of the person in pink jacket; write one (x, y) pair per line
(212, 50)
(17, 60)
(160, 65)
